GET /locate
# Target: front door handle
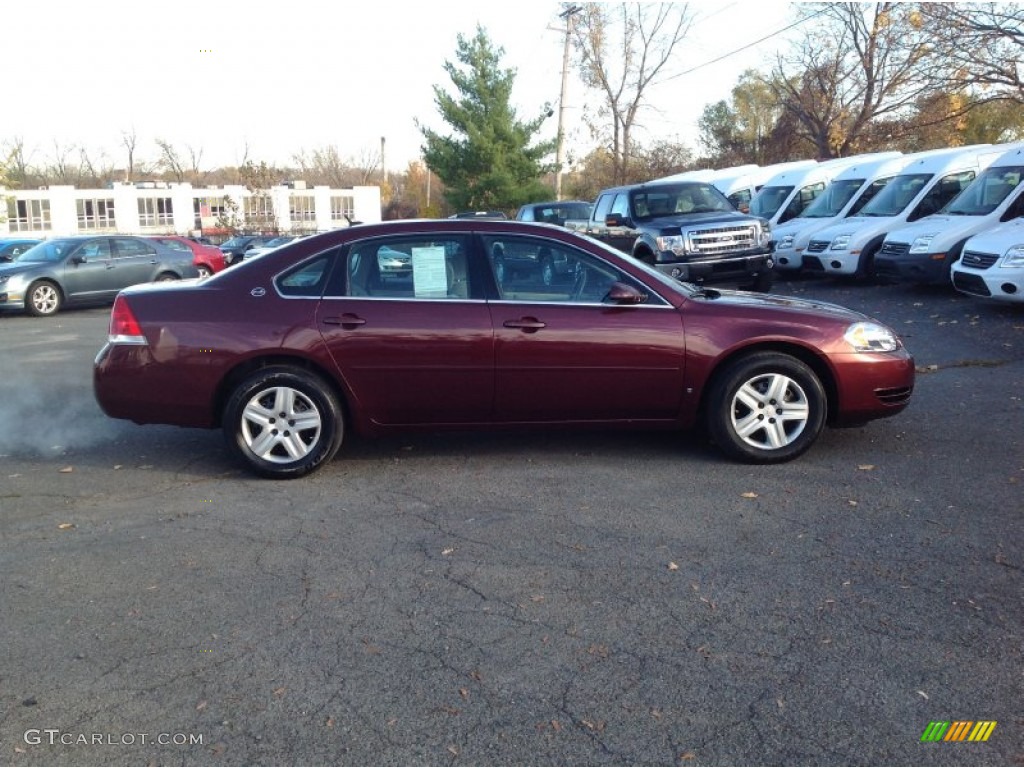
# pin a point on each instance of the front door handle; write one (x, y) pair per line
(347, 320)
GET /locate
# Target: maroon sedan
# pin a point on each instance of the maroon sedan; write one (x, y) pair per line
(288, 351)
(208, 258)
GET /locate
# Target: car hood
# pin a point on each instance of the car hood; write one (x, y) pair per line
(782, 304)
(17, 268)
(683, 220)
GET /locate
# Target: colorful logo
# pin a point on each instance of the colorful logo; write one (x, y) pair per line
(958, 730)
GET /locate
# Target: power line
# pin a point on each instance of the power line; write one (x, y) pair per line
(748, 45)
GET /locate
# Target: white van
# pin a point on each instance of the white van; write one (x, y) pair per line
(922, 188)
(786, 194)
(850, 191)
(924, 252)
(741, 184)
(992, 264)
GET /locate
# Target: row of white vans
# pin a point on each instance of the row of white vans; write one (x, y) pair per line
(940, 216)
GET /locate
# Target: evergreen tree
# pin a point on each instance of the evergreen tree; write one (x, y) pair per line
(487, 162)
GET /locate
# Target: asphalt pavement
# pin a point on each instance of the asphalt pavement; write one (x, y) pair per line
(518, 599)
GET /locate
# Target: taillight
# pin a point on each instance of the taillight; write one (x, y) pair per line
(124, 328)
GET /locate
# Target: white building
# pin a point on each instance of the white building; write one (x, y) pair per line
(150, 208)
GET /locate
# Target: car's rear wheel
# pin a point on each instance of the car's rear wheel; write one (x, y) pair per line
(166, 277)
(43, 299)
(204, 271)
(766, 408)
(283, 422)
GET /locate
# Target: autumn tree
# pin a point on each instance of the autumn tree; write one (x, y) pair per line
(858, 63)
(488, 159)
(623, 51)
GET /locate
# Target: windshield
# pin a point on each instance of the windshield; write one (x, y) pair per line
(768, 200)
(832, 201)
(897, 195)
(986, 192)
(277, 241)
(48, 250)
(654, 202)
(235, 242)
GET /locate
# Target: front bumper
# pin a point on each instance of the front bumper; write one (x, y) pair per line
(924, 268)
(717, 270)
(999, 284)
(872, 386)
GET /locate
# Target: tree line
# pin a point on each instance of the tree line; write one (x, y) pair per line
(857, 77)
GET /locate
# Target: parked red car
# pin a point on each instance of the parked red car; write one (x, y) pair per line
(288, 351)
(208, 258)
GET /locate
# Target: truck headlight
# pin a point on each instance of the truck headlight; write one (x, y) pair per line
(922, 244)
(785, 243)
(840, 243)
(871, 337)
(674, 243)
(1014, 258)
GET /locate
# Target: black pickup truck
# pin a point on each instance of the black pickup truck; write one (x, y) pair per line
(688, 230)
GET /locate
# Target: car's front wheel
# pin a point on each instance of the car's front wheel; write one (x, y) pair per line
(283, 422)
(766, 408)
(43, 299)
(204, 271)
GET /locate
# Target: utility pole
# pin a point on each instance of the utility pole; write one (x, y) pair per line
(567, 14)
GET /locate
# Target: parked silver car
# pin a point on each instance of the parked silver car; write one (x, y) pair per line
(86, 270)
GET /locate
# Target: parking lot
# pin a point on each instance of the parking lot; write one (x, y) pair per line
(570, 598)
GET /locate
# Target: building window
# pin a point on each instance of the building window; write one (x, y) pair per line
(96, 214)
(343, 207)
(28, 215)
(155, 211)
(303, 208)
(209, 207)
(259, 212)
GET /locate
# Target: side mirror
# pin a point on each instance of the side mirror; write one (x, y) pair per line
(621, 293)
(616, 220)
(79, 260)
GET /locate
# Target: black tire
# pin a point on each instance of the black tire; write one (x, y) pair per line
(204, 271)
(739, 417)
(166, 277)
(260, 411)
(866, 265)
(43, 299)
(763, 281)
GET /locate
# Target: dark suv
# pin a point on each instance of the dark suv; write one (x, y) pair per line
(234, 250)
(571, 214)
(688, 230)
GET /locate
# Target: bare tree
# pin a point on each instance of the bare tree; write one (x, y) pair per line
(130, 141)
(984, 45)
(858, 63)
(646, 35)
(195, 158)
(61, 169)
(95, 170)
(170, 161)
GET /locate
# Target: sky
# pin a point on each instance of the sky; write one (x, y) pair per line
(267, 81)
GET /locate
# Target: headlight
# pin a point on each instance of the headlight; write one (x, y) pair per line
(922, 243)
(1014, 257)
(840, 243)
(786, 242)
(4, 279)
(871, 337)
(766, 234)
(674, 243)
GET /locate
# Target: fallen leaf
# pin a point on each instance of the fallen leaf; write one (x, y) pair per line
(866, 467)
(118, 466)
(330, 722)
(464, 693)
(687, 756)
(19, 750)
(673, 567)
(280, 691)
(454, 750)
(67, 469)
(851, 502)
(201, 706)
(66, 526)
(923, 695)
(447, 550)
(556, 725)
(749, 495)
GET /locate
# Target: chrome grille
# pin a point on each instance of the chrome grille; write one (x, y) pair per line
(978, 260)
(817, 246)
(722, 240)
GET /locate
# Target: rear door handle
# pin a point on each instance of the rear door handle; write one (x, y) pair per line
(527, 324)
